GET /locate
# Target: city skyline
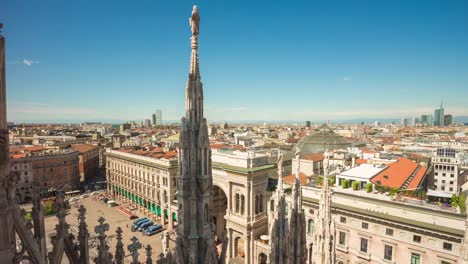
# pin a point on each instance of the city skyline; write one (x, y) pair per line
(333, 61)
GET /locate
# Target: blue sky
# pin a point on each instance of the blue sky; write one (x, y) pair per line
(260, 60)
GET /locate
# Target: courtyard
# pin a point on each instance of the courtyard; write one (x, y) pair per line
(114, 218)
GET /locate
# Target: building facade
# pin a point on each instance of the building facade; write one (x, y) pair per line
(144, 181)
(89, 160)
(370, 229)
(447, 163)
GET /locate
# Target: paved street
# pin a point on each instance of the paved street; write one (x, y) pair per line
(114, 218)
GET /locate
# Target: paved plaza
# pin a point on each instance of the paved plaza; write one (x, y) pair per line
(115, 218)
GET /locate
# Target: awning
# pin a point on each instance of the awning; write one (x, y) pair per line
(438, 194)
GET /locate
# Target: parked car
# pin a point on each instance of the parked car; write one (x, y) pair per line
(153, 230)
(136, 226)
(145, 225)
(138, 221)
(133, 217)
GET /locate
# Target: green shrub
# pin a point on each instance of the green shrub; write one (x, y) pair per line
(355, 185)
(48, 208)
(369, 187)
(28, 216)
(462, 203)
(393, 191)
(320, 180)
(344, 184)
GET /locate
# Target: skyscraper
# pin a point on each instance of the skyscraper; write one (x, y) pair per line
(154, 119)
(147, 123)
(448, 119)
(426, 120)
(439, 116)
(158, 118)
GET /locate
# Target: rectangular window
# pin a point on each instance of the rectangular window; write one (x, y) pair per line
(365, 225)
(416, 238)
(389, 232)
(415, 258)
(388, 252)
(343, 219)
(342, 240)
(447, 246)
(364, 245)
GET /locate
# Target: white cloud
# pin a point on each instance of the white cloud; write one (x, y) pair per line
(29, 62)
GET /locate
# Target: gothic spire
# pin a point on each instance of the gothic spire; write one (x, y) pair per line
(279, 231)
(194, 90)
(195, 236)
(297, 223)
(324, 240)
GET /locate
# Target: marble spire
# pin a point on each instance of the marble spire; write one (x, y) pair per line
(324, 233)
(297, 223)
(279, 230)
(194, 234)
(7, 236)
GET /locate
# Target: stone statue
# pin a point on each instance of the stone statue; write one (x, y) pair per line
(195, 21)
(326, 161)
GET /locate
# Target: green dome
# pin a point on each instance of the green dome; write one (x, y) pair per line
(322, 140)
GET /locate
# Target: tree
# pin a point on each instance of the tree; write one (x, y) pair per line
(48, 208)
(369, 187)
(462, 203)
(355, 185)
(320, 180)
(344, 184)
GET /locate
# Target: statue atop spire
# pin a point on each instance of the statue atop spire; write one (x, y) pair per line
(195, 21)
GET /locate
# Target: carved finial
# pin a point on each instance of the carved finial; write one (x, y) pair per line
(119, 250)
(326, 162)
(149, 260)
(133, 248)
(279, 188)
(60, 205)
(103, 254)
(102, 227)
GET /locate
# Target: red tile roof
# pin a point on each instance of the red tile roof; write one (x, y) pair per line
(361, 161)
(291, 178)
(26, 149)
(314, 157)
(398, 172)
(82, 148)
(417, 179)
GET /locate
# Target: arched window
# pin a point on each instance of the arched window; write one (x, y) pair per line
(256, 205)
(260, 203)
(242, 204)
(310, 227)
(310, 253)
